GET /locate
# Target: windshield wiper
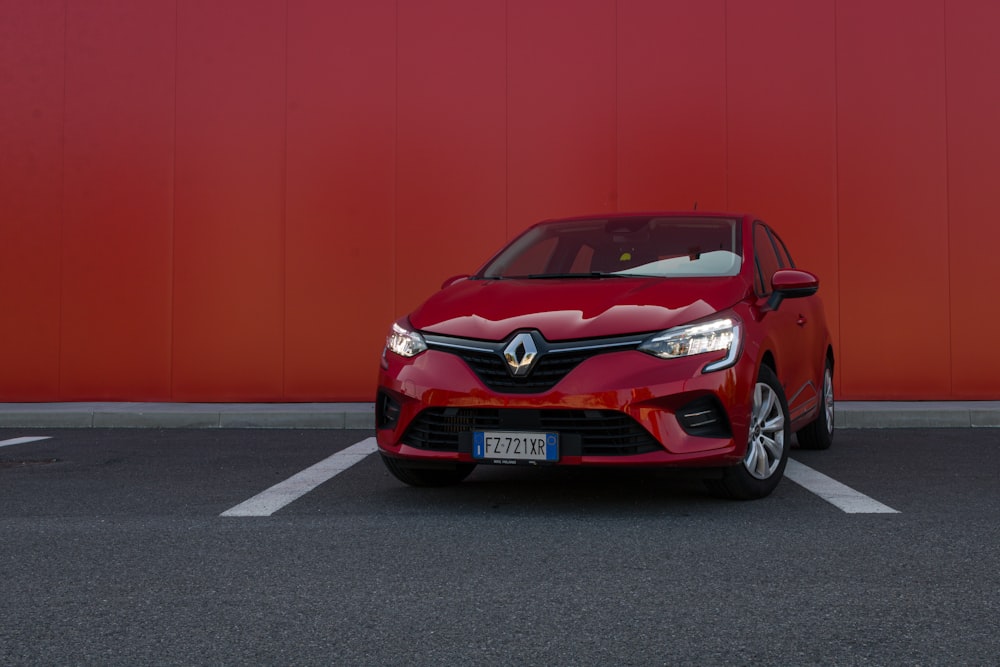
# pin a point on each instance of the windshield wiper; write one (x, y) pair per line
(589, 274)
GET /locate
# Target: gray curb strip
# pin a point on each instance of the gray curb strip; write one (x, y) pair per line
(188, 415)
(851, 414)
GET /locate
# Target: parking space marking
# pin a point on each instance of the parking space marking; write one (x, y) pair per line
(833, 492)
(22, 441)
(273, 499)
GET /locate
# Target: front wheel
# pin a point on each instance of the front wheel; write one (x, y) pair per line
(767, 444)
(427, 474)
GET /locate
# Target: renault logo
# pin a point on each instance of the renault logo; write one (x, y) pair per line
(520, 354)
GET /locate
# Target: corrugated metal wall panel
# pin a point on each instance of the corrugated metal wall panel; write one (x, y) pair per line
(232, 201)
(118, 193)
(32, 85)
(973, 174)
(229, 223)
(893, 200)
(341, 184)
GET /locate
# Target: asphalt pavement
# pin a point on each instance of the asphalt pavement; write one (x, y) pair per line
(120, 548)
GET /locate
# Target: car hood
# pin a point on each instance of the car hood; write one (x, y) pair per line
(567, 309)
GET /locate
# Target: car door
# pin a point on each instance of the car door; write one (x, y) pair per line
(791, 326)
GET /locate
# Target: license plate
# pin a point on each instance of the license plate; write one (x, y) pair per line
(515, 446)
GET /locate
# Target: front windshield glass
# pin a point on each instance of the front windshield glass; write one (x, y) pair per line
(659, 247)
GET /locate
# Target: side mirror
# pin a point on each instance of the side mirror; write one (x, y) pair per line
(454, 279)
(791, 284)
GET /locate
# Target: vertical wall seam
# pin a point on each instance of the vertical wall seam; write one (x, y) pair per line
(506, 83)
(836, 173)
(618, 114)
(62, 203)
(395, 162)
(947, 203)
(173, 213)
(725, 98)
(284, 227)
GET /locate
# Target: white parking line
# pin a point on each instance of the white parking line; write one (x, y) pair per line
(273, 499)
(833, 492)
(21, 441)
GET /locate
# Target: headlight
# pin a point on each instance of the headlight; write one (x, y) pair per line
(404, 342)
(714, 336)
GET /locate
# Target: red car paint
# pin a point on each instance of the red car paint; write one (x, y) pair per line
(780, 326)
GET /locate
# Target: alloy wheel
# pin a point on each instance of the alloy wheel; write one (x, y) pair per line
(828, 399)
(767, 433)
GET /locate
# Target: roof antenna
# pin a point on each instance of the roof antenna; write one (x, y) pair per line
(696, 206)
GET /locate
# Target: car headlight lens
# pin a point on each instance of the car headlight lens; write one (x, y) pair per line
(715, 336)
(404, 342)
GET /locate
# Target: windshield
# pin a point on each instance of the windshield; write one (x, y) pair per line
(661, 247)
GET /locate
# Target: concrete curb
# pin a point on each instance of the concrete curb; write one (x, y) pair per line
(921, 414)
(850, 414)
(188, 415)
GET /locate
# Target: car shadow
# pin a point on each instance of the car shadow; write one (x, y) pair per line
(567, 492)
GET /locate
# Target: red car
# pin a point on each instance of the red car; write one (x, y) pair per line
(643, 339)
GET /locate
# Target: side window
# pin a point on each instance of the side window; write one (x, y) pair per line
(783, 255)
(766, 259)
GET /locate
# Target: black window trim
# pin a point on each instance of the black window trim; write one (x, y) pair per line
(774, 240)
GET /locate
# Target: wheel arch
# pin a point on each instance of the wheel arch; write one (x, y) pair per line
(768, 359)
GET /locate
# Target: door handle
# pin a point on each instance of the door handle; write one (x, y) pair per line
(801, 321)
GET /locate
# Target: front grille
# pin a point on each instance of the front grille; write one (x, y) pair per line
(602, 432)
(555, 359)
(548, 371)
(581, 432)
(439, 428)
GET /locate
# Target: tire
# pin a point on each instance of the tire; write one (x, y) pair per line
(818, 434)
(427, 474)
(767, 447)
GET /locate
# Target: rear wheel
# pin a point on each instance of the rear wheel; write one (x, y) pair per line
(427, 474)
(818, 434)
(767, 444)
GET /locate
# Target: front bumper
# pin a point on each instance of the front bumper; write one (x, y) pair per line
(653, 411)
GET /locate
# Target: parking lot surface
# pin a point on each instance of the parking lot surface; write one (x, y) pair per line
(126, 546)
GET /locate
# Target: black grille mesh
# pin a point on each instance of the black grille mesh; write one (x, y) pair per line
(600, 432)
(555, 359)
(547, 372)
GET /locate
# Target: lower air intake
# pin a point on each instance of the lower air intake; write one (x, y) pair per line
(598, 432)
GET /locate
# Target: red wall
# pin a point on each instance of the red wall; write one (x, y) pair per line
(231, 200)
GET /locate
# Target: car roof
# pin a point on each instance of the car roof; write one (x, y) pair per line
(649, 214)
